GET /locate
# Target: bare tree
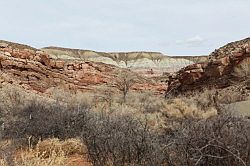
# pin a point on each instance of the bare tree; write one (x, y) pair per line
(122, 140)
(124, 83)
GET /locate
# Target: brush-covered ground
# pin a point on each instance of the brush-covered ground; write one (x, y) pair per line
(124, 121)
(107, 129)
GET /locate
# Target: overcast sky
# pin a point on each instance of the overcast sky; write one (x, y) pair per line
(174, 27)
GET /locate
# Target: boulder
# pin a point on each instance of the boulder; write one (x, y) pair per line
(3, 45)
(7, 53)
(60, 64)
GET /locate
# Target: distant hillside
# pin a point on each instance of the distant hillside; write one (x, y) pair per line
(116, 56)
(195, 59)
(141, 61)
(68, 53)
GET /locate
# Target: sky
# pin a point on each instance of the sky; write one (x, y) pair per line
(173, 27)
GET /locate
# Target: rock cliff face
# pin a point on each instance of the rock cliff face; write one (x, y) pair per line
(217, 72)
(34, 69)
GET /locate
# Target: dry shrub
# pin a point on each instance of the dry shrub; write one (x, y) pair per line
(74, 146)
(235, 96)
(183, 108)
(7, 150)
(69, 147)
(205, 99)
(210, 112)
(122, 140)
(220, 140)
(12, 97)
(201, 105)
(72, 98)
(34, 158)
(3, 162)
(38, 121)
(151, 103)
(133, 99)
(45, 153)
(156, 121)
(145, 102)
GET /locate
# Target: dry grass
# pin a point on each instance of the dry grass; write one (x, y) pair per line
(178, 108)
(71, 98)
(51, 152)
(34, 158)
(3, 162)
(198, 106)
(11, 96)
(14, 97)
(68, 147)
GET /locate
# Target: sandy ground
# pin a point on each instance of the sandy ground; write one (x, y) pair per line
(243, 108)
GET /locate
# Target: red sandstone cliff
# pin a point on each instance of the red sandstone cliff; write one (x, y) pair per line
(35, 70)
(217, 72)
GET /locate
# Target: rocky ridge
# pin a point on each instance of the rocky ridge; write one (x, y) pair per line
(33, 69)
(217, 72)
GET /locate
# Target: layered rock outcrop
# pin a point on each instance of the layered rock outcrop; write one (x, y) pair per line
(217, 72)
(140, 62)
(33, 69)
